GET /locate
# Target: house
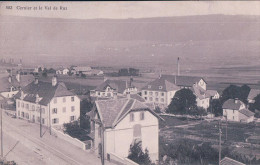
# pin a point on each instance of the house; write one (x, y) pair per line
(11, 84)
(229, 161)
(162, 90)
(81, 69)
(118, 123)
(53, 101)
(64, 71)
(252, 94)
(235, 110)
(94, 72)
(202, 96)
(109, 88)
(213, 94)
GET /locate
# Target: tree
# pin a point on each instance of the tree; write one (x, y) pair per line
(137, 155)
(51, 70)
(123, 72)
(183, 102)
(233, 92)
(216, 107)
(73, 129)
(256, 105)
(85, 106)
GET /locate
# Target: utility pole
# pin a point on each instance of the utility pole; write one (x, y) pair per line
(2, 147)
(40, 121)
(219, 156)
(103, 145)
(226, 128)
(50, 117)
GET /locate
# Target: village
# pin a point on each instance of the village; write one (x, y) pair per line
(116, 115)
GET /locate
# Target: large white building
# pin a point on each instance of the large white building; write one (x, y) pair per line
(235, 110)
(162, 90)
(122, 122)
(52, 102)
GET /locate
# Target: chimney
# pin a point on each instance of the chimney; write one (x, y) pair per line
(54, 80)
(10, 79)
(36, 80)
(131, 81)
(178, 66)
(18, 77)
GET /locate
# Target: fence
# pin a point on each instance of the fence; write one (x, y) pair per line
(69, 139)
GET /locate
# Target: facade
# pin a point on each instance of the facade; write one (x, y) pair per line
(63, 71)
(252, 94)
(52, 102)
(162, 90)
(235, 110)
(110, 88)
(118, 123)
(81, 69)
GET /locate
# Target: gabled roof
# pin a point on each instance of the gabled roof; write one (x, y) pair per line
(114, 110)
(118, 85)
(253, 93)
(200, 92)
(45, 91)
(229, 161)
(246, 112)
(211, 92)
(6, 85)
(172, 82)
(232, 104)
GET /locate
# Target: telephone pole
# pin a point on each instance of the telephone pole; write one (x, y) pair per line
(40, 121)
(219, 156)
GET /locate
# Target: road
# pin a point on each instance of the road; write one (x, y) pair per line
(22, 143)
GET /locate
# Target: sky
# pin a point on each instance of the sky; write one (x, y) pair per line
(122, 10)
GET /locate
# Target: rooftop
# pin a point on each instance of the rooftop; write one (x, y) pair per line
(229, 161)
(232, 104)
(253, 93)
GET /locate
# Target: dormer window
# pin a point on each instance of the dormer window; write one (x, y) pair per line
(149, 86)
(160, 87)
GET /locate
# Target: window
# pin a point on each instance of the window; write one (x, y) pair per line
(99, 131)
(55, 100)
(145, 98)
(43, 121)
(150, 98)
(162, 94)
(72, 118)
(141, 115)
(72, 98)
(54, 110)
(162, 99)
(132, 117)
(64, 109)
(18, 103)
(33, 107)
(55, 121)
(150, 93)
(43, 111)
(145, 92)
(72, 108)
(99, 93)
(27, 106)
(22, 114)
(156, 99)
(160, 87)
(64, 99)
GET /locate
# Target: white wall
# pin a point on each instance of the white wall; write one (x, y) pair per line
(204, 103)
(119, 139)
(202, 84)
(232, 115)
(64, 117)
(9, 94)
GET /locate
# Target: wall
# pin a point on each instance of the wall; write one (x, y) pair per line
(69, 139)
(9, 94)
(244, 118)
(230, 114)
(204, 103)
(64, 117)
(119, 139)
(202, 84)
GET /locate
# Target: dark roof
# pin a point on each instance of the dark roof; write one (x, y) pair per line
(200, 92)
(114, 110)
(167, 82)
(246, 112)
(45, 91)
(117, 85)
(6, 85)
(229, 161)
(253, 93)
(232, 104)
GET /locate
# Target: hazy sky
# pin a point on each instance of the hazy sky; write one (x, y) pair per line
(88, 10)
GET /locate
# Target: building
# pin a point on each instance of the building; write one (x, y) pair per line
(252, 94)
(202, 96)
(53, 101)
(229, 161)
(64, 71)
(235, 110)
(122, 122)
(109, 88)
(94, 72)
(81, 69)
(213, 94)
(162, 90)
(10, 85)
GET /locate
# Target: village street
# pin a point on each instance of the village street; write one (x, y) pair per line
(23, 144)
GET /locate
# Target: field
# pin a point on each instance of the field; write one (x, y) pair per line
(238, 135)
